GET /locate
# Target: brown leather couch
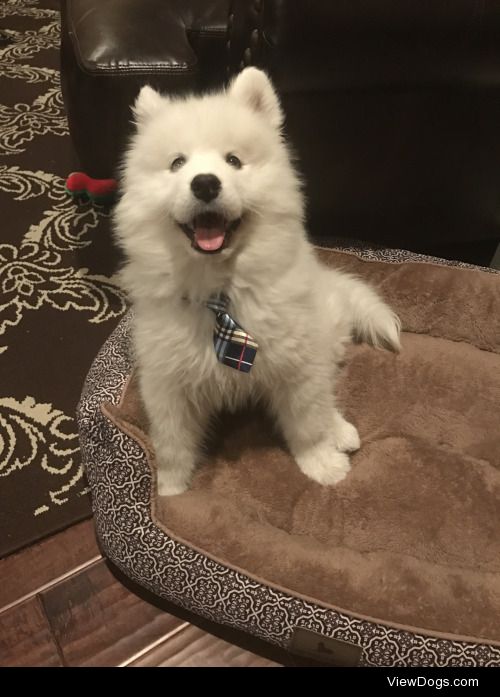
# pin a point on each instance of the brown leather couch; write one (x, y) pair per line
(392, 106)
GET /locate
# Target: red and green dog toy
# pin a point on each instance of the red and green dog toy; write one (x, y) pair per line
(81, 187)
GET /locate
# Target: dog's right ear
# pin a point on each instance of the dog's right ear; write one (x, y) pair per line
(147, 103)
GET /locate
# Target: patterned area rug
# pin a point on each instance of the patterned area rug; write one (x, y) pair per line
(58, 293)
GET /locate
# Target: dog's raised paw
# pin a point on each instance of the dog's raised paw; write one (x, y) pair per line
(170, 485)
(324, 464)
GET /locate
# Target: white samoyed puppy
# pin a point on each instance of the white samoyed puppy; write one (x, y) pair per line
(212, 204)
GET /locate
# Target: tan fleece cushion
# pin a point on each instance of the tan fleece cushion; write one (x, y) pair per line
(412, 535)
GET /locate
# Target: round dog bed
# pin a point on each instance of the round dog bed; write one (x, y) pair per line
(399, 564)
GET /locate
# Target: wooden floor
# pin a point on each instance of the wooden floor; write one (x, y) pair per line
(61, 605)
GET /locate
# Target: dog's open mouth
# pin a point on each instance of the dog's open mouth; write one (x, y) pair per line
(209, 232)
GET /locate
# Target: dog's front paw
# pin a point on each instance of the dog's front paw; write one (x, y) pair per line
(346, 436)
(171, 483)
(324, 463)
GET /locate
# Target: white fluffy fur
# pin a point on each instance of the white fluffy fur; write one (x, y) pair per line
(300, 313)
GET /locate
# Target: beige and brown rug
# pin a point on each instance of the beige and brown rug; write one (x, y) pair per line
(58, 294)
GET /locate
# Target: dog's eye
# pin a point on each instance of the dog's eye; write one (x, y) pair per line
(233, 161)
(177, 163)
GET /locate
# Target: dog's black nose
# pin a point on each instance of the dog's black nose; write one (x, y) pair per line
(206, 187)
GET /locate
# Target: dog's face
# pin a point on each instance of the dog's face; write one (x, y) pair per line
(203, 167)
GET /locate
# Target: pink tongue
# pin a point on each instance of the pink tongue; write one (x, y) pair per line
(209, 239)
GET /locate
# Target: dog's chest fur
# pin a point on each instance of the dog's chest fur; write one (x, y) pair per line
(179, 340)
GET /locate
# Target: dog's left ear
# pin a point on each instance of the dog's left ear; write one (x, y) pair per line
(253, 88)
(147, 102)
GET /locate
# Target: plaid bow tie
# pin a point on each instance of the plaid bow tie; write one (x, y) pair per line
(233, 345)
